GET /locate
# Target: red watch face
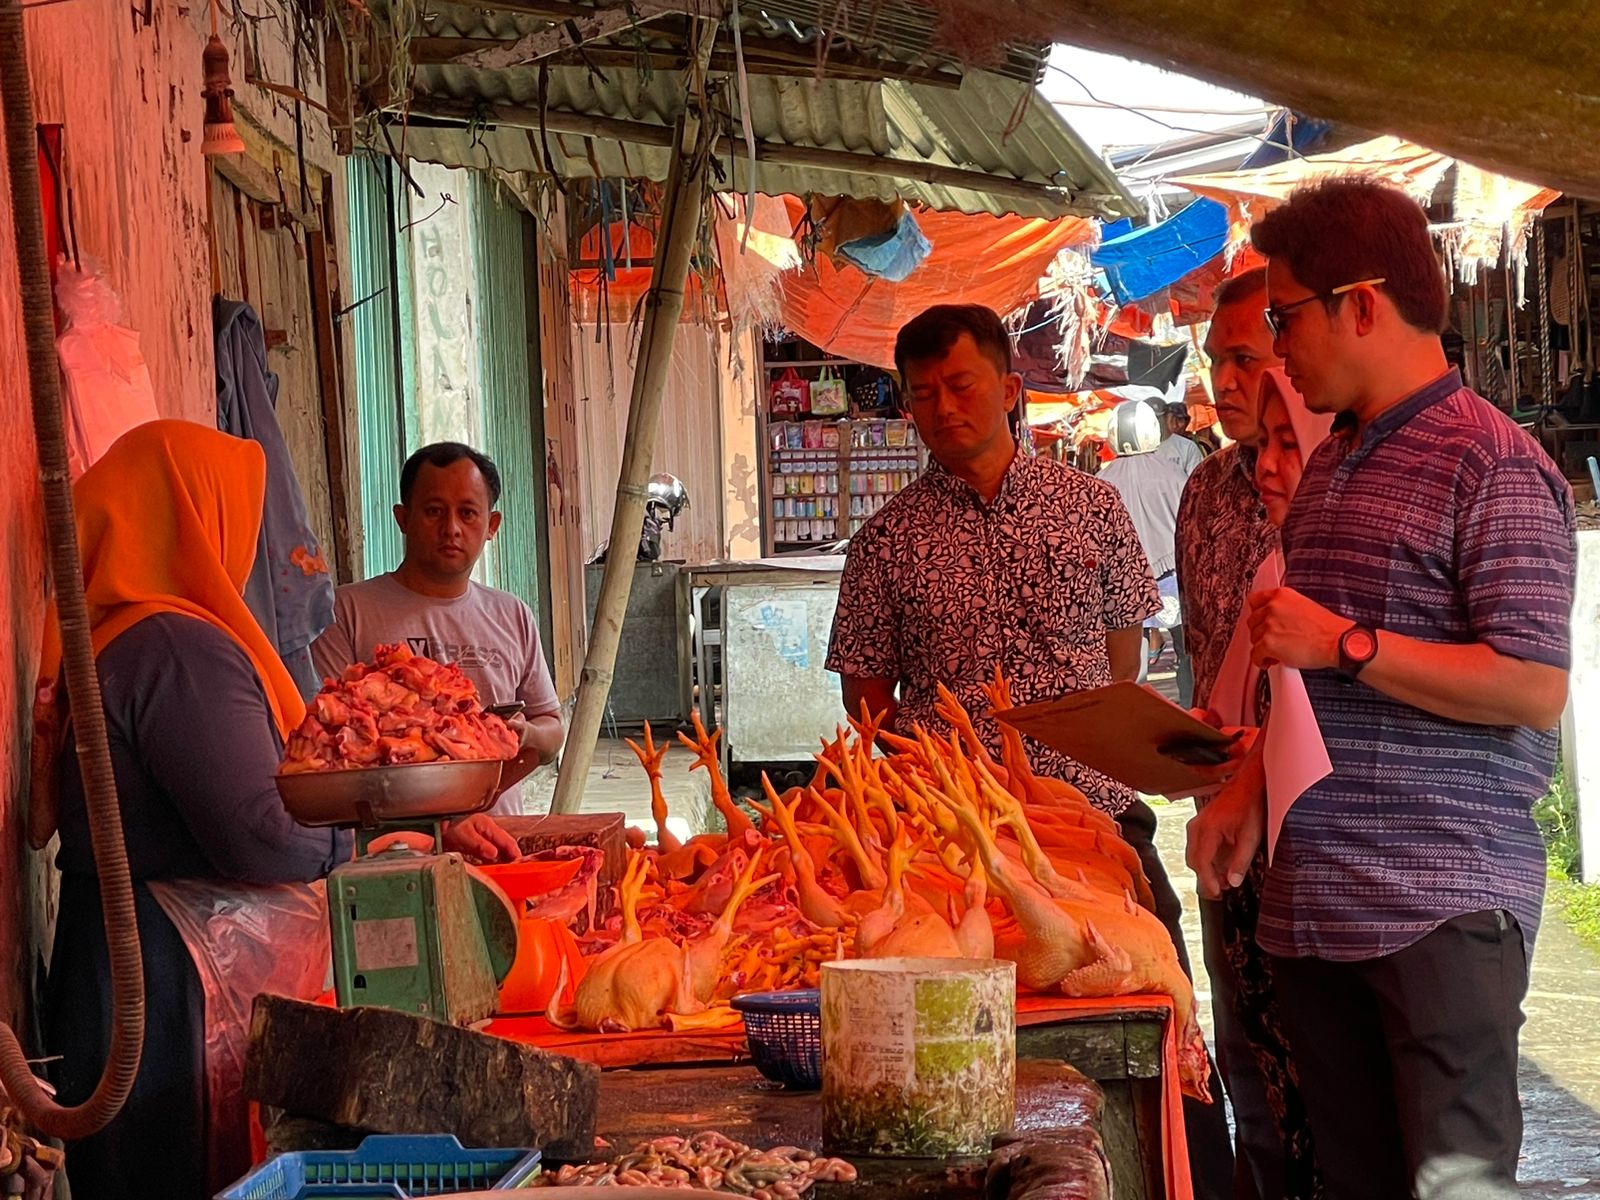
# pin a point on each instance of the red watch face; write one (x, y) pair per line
(1359, 645)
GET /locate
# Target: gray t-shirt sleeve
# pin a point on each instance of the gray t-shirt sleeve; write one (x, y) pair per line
(334, 650)
(536, 689)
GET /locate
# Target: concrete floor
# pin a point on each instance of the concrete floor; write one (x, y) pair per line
(617, 783)
(1560, 1074)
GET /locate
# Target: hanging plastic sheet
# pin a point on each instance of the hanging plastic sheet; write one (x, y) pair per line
(995, 261)
(1140, 262)
(106, 387)
(243, 940)
(616, 273)
(1147, 260)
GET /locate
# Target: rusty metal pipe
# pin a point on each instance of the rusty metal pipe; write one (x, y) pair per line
(83, 683)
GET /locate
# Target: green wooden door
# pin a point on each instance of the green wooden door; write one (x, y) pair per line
(381, 394)
(509, 384)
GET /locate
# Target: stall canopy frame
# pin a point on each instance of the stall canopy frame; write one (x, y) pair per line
(564, 90)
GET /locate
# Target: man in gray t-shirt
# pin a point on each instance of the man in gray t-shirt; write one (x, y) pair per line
(431, 604)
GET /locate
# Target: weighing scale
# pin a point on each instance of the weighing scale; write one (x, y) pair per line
(417, 931)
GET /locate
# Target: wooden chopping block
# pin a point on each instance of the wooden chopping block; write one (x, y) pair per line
(392, 1072)
(604, 831)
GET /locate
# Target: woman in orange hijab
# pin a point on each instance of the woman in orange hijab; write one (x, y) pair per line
(197, 705)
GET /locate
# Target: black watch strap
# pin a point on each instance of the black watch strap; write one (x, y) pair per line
(1358, 646)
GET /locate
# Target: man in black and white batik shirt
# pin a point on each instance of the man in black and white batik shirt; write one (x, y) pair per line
(996, 558)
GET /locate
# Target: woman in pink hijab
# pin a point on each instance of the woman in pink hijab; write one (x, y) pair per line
(1240, 697)
(1290, 432)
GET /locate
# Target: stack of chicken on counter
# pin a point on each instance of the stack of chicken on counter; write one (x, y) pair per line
(934, 850)
(931, 850)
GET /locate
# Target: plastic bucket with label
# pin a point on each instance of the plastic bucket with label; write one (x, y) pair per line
(919, 1055)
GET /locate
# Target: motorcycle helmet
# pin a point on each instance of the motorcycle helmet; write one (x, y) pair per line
(667, 493)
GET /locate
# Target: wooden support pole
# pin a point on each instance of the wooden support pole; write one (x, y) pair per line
(683, 210)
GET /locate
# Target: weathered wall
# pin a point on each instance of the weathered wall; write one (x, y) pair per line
(262, 260)
(22, 594)
(700, 384)
(129, 96)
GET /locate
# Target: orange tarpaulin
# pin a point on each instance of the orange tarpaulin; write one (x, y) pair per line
(997, 261)
(616, 1050)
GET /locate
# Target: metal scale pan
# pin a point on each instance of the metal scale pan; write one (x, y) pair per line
(367, 797)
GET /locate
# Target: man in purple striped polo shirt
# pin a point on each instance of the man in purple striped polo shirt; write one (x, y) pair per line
(1430, 568)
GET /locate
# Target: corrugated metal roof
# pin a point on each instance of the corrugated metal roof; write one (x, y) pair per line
(902, 30)
(899, 31)
(963, 127)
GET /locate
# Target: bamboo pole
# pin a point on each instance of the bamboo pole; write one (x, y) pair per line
(683, 211)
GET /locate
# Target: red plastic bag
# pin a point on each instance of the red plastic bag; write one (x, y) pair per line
(791, 395)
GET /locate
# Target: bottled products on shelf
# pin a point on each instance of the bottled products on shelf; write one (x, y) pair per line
(825, 479)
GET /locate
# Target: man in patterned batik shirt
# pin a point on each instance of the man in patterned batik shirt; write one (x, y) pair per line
(1429, 572)
(997, 558)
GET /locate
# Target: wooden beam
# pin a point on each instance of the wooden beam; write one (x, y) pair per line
(758, 60)
(566, 35)
(814, 158)
(336, 86)
(683, 211)
(549, 10)
(319, 254)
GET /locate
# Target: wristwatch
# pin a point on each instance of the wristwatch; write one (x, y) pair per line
(1358, 646)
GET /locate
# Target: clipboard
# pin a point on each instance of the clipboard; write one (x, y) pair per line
(1128, 732)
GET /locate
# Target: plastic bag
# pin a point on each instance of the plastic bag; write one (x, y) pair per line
(106, 384)
(791, 395)
(892, 256)
(828, 395)
(244, 940)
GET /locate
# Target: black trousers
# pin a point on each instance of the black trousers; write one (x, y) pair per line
(1408, 1063)
(157, 1144)
(1205, 1125)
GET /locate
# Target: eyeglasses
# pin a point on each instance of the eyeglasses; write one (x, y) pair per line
(1276, 313)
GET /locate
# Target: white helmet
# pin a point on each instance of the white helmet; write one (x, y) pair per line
(668, 492)
(1135, 428)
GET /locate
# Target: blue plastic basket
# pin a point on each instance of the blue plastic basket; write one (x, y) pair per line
(387, 1167)
(784, 1030)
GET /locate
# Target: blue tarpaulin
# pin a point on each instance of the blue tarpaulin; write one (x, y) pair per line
(1149, 259)
(1141, 263)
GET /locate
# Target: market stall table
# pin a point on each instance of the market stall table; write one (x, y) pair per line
(1125, 1044)
(638, 1105)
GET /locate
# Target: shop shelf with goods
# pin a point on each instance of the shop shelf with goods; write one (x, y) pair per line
(836, 447)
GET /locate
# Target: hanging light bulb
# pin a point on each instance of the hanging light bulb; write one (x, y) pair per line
(220, 135)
